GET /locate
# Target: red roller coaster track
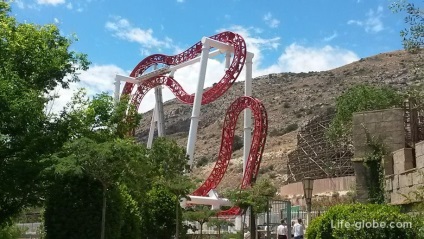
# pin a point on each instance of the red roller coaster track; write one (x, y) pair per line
(256, 150)
(209, 95)
(231, 74)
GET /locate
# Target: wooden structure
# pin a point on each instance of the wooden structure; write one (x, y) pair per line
(317, 158)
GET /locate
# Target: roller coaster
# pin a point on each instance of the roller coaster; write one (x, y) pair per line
(139, 82)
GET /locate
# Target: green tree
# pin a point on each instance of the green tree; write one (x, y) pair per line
(180, 186)
(219, 223)
(97, 147)
(413, 34)
(74, 210)
(107, 162)
(200, 214)
(159, 213)
(169, 160)
(360, 98)
(256, 198)
(33, 61)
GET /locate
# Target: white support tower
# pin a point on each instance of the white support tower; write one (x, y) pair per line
(192, 135)
(247, 129)
(158, 117)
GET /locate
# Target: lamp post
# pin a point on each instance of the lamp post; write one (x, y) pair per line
(308, 187)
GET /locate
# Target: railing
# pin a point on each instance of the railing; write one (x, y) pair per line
(414, 123)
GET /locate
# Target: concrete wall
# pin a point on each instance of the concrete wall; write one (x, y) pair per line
(388, 127)
(321, 186)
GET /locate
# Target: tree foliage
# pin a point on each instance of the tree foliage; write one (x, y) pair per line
(219, 223)
(375, 177)
(360, 98)
(33, 60)
(199, 213)
(256, 196)
(9, 231)
(413, 34)
(99, 151)
(73, 210)
(159, 213)
(38, 55)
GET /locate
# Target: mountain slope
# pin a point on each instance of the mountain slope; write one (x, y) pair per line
(290, 99)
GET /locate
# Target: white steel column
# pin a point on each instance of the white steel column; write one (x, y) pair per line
(247, 132)
(192, 135)
(152, 128)
(117, 90)
(160, 113)
(227, 59)
(157, 115)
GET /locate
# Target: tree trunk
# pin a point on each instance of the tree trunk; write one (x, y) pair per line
(201, 230)
(177, 219)
(268, 233)
(243, 222)
(102, 234)
(219, 232)
(252, 224)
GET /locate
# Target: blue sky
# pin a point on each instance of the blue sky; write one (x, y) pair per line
(284, 35)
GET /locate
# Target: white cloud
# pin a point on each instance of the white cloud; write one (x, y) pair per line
(97, 79)
(294, 58)
(23, 4)
(373, 22)
(20, 4)
(297, 58)
(187, 77)
(180, 1)
(50, 2)
(145, 52)
(270, 21)
(123, 29)
(56, 21)
(255, 44)
(329, 38)
(69, 6)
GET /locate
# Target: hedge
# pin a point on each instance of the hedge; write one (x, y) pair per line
(360, 221)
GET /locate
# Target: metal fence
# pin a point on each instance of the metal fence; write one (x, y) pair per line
(30, 230)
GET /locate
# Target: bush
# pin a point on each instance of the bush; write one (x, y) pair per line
(10, 232)
(202, 162)
(363, 221)
(291, 127)
(288, 129)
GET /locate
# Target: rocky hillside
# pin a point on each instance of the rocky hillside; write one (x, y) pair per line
(291, 100)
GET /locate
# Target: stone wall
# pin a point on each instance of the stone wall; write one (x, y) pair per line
(322, 187)
(388, 127)
(405, 174)
(403, 167)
